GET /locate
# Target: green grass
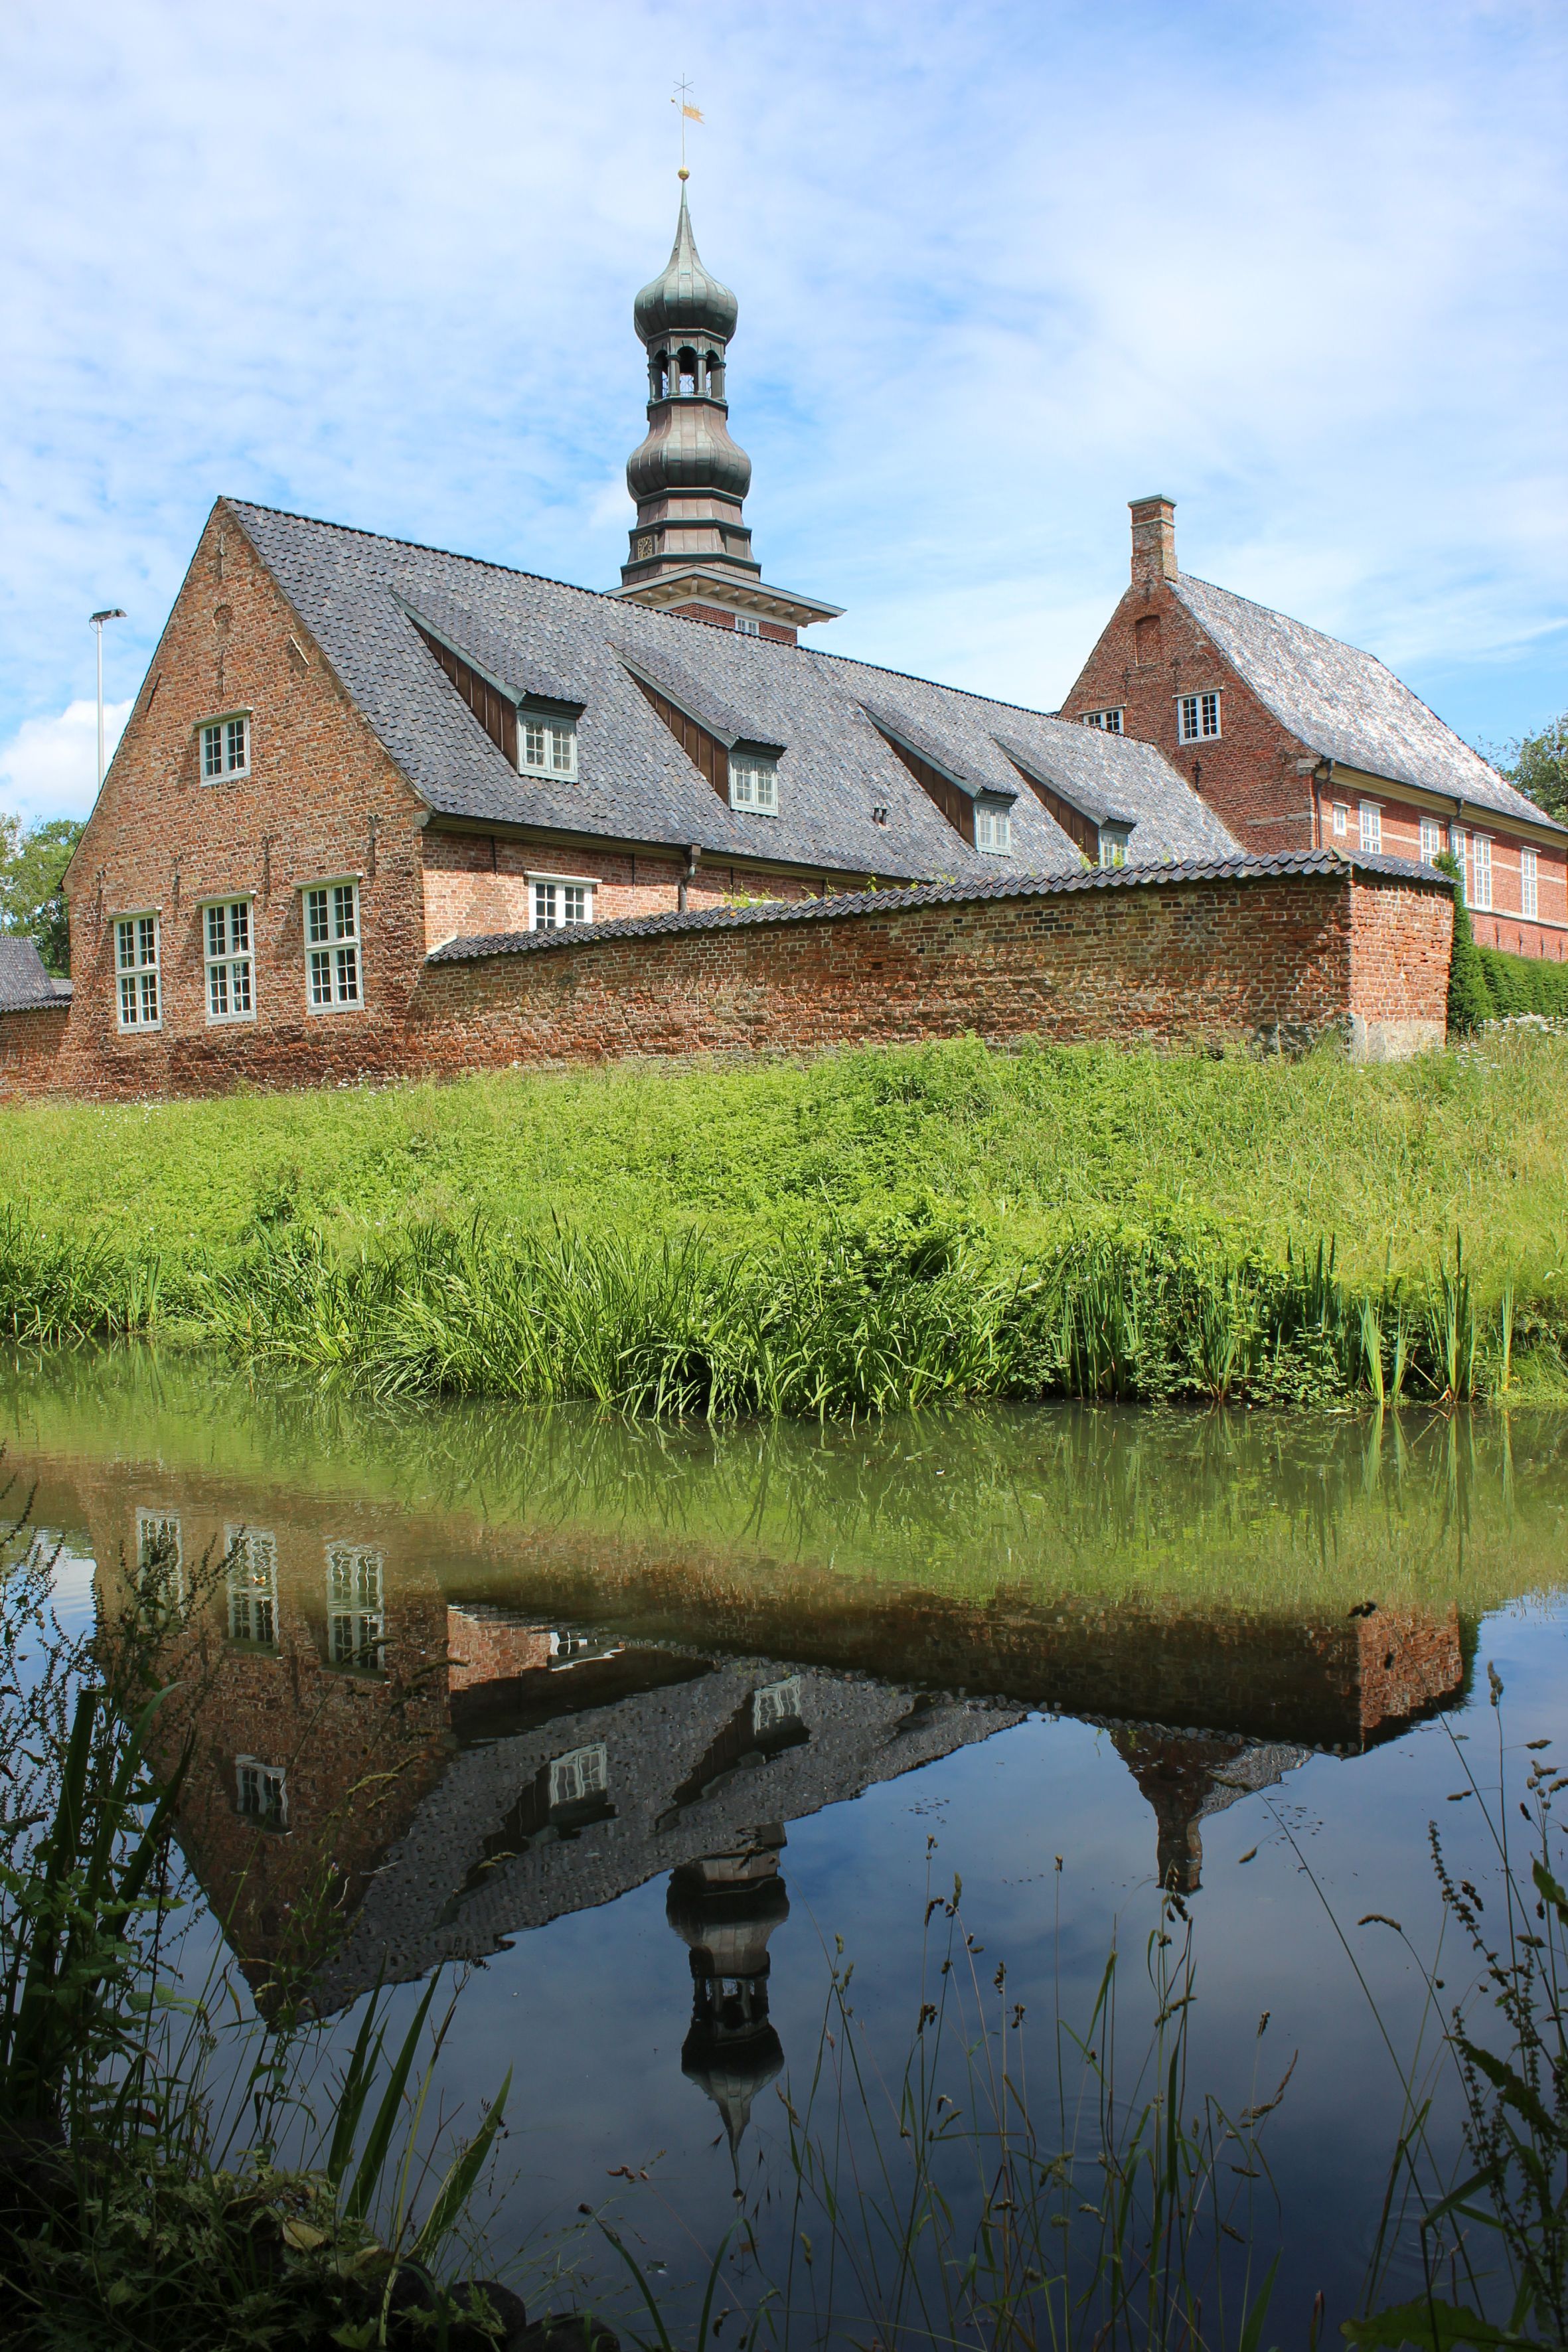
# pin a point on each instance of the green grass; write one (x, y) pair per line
(1391, 1162)
(865, 1232)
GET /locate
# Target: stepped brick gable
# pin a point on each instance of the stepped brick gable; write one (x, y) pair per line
(1298, 742)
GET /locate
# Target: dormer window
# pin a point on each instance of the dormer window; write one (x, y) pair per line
(993, 828)
(753, 784)
(1109, 721)
(1113, 844)
(546, 747)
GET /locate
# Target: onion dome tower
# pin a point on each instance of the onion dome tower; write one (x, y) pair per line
(724, 1908)
(691, 551)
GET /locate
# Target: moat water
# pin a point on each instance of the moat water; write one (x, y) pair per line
(623, 1726)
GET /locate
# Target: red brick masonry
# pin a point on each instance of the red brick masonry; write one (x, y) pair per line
(1265, 955)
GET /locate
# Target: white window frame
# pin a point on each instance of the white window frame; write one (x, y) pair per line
(993, 829)
(228, 960)
(1431, 840)
(217, 736)
(159, 1546)
(556, 755)
(269, 1781)
(1370, 823)
(1108, 721)
(581, 1774)
(560, 902)
(1460, 850)
(1342, 820)
(1113, 841)
(753, 784)
(747, 625)
(335, 958)
(776, 1704)
(1529, 880)
(251, 1584)
(1481, 871)
(1203, 709)
(356, 1606)
(139, 981)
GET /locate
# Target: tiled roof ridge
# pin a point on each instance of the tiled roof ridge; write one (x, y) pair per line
(936, 894)
(627, 604)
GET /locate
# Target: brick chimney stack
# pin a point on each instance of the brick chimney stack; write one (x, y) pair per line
(1153, 539)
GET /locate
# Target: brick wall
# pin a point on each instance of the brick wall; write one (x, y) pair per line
(322, 799)
(477, 883)
(1269, 961)
(30, 1046)
(1151, 651)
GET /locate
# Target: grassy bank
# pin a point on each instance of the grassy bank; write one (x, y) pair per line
(870, 1230)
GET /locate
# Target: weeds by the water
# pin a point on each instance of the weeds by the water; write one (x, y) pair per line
(131, 2213)
(887, 1315)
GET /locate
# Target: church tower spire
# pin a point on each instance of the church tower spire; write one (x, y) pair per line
(690, 550)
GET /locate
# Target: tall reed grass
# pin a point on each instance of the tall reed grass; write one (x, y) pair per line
(896, 1312)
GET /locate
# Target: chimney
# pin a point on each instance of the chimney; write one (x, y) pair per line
(1153, 539)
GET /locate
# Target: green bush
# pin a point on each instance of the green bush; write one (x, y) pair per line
(1518, 983)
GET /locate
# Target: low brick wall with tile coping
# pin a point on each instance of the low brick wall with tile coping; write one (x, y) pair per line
(1264, 955)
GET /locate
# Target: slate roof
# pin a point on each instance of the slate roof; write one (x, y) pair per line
(939, 894)
(25, 985)
(357, 591)
(1346, 704)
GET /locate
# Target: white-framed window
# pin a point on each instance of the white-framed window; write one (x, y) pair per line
(140, 998)
(226, 948)
(1113, 844)
(1342, 820)
(1109, 720)
(331, 947)
(1370, 826)
(1198, 716)
(774, 1704)
(160, 1566)
(225, 748)
(993, 828)
(1528, 881)
(1481, 870)
(251, 1580)
(546, 747)
(1459, 851)
(356, 1620)
(582, 1772)
(746, 627)
(1431, 840)
(753, 784)
(558, 905)
(261, 1792)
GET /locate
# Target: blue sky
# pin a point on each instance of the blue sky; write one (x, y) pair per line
(1000, 268)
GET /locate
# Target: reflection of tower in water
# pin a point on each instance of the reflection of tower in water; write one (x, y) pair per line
(724, 1908)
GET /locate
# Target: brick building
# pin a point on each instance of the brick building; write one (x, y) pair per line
(1297, 741)
(381, 810)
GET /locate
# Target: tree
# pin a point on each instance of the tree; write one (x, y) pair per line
(1539, 766)
(32, 868)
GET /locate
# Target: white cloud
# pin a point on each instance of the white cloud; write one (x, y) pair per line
(49, 766)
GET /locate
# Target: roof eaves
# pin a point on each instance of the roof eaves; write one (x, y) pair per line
(727, 726)
(908, 735)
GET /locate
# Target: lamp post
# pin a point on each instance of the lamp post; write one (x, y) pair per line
(110, 612)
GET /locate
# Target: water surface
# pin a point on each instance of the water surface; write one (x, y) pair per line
(634, 1722)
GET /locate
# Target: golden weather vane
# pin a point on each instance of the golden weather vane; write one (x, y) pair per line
(689, 113)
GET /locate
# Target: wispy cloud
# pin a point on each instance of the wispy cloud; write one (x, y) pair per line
(1001, 266)
(49, 767)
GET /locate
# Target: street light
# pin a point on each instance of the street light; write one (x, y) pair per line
(110, 612)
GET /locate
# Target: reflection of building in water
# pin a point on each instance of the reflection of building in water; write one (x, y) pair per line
(1393, 1664)
(724, 1908)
